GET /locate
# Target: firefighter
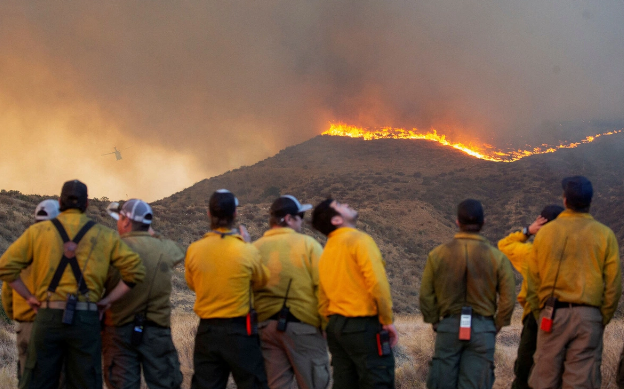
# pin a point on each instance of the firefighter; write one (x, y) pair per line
(354, 297)
(574, 286)
(292, 343)
(467, 294)
(70, 258)
(14, 305)
(517, 248)
(222, 269)
(137, 335)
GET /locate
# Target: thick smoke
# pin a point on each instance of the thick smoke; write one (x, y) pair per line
(197, 88)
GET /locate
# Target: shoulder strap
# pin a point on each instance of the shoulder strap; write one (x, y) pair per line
(61, 230)
(72, 262)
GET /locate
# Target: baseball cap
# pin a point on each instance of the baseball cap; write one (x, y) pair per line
(46, 210)
(134, 209)
(222, 203)
(470, 212)
(74, 195)
(578, 191)
(288, 205)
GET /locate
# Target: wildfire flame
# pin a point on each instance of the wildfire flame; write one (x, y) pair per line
(486, 152)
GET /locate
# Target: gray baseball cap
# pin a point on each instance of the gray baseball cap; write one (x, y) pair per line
(134, 209)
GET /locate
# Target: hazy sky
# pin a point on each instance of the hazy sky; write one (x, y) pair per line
(196, 88)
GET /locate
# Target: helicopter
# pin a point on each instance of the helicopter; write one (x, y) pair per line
(117, 152)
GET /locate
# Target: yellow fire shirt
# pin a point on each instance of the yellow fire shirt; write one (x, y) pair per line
(42, 244)
(353, 277)
(220, 269)
(518, 250)
(289, 256)
(590, 270)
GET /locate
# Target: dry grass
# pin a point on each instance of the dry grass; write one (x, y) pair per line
(412, 355)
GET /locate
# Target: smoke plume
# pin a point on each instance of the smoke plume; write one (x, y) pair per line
(196, 88)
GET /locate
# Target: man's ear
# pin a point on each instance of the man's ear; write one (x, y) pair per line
(565, 202)
(208, 213)
(457, 222)
(337, 220)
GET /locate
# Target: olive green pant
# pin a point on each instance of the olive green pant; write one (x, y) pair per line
(298, 353)
(23, 330)
(463, 364)
(223, 346)
(53, 342)
(156, 354)
(526, 349)
(352, 342)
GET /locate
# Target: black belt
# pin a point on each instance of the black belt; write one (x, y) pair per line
(562, 304)
(224, 322)
(290, 318)
(473, 315)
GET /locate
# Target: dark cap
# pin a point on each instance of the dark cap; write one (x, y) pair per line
(550, 212)
(74, 196)
(288, 205)
(578, 191)
(222, 204)
(470, 212)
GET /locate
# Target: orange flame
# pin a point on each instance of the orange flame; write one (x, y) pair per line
(486, 152)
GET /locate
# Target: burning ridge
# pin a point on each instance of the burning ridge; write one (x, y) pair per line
(486, 152)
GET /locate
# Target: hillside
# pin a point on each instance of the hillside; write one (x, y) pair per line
(406, 192)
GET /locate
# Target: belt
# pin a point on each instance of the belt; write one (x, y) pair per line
(563, 304)
(227, 321)
(80, 305)
(290, 318)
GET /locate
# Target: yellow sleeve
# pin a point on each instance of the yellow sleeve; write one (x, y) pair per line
(17, 257)
(315, 252)
(612, 276)
(532, 277)
(259, 272)
(516, 248)
(188, 276)
(506, 293)
(427, 297)
(7, 299)
(128, 262)
(323, 305)
(371, 264)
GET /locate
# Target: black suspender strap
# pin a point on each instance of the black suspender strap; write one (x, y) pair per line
(69, 247)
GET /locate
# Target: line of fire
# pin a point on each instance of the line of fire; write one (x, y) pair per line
(486, 152)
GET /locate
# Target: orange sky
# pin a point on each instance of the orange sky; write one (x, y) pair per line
(199, 88)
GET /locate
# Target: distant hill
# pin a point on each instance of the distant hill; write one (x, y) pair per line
(406, 192)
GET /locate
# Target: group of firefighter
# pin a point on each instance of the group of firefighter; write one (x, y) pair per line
(91, 302)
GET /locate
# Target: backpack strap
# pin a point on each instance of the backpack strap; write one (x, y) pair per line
(69, 256)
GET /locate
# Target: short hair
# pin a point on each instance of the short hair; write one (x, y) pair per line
(550, 212)
(578, 192)
(138, 226)
(222, 206)
(322, 215)
(470, 215)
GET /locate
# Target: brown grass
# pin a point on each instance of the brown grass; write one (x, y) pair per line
(412, 354)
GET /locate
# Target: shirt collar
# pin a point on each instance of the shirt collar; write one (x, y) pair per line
(280, 231)
(223, 232)
(570, 213)
(341, 230)
(469, 235)
(136, 233)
